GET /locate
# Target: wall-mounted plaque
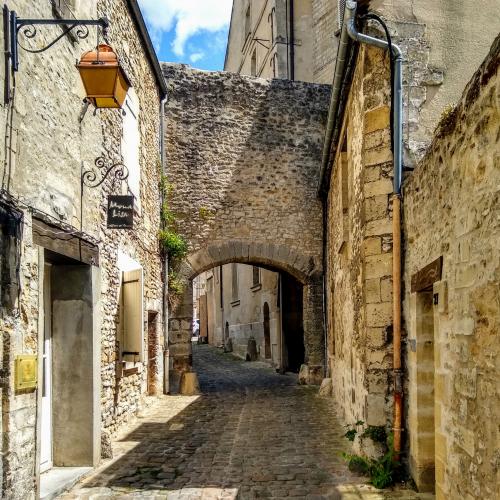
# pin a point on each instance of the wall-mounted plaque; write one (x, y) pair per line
(120, 212)
(26, 372)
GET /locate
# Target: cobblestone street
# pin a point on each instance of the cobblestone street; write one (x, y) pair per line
(251, 434)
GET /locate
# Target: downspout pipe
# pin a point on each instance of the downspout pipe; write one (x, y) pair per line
(166, 357)
(397, 110)
(331, 123)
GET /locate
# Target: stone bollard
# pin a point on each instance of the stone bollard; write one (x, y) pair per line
(189, 385)
(304, 375)
(326, 387)
(251, 350)
(228, 345)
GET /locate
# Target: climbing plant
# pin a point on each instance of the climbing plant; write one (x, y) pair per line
(172, 243)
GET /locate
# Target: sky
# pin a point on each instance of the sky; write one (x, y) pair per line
(193, 32)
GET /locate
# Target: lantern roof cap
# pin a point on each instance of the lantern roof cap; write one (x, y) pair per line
(104, 55)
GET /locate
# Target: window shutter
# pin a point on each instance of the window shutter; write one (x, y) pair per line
(133, 316)
(130, 146)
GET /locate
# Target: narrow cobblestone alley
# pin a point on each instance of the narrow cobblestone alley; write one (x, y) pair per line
(251, 434)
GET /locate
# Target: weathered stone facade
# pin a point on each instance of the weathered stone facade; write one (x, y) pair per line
(260, 39)
(441, 48)
(325, 28)
(246, 151)
(359, 248)
(51, 140)
(236, 310)
(451, 209)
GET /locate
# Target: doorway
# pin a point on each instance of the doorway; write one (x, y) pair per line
(292, 323)
(267, 332)
(422, 398)
(69, 350)
(153, 353)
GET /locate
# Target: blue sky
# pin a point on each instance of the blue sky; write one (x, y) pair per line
(193, 32)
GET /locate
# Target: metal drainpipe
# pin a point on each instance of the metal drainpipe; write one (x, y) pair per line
(166, 356)
(397, 109)
(331, 124)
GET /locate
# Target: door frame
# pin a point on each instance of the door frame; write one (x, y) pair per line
(96, 366)
(46, 322)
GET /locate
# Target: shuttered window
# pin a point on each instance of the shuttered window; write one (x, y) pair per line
(132, 316)
(130, 144)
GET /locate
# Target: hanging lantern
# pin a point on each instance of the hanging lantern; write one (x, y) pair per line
(104, 80)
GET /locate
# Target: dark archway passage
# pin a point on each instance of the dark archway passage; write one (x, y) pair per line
(293, 325)
(267, 332)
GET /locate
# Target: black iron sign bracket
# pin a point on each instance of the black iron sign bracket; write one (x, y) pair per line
(14, 26)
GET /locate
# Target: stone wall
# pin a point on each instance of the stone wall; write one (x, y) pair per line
(49, 142)
(243, 158)
(120, 401)
(359, 252)
(451, 208)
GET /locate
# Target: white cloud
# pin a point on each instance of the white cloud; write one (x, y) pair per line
(196, 56)
(187, 17)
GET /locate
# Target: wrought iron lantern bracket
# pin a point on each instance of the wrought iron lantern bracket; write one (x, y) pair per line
(14, 26)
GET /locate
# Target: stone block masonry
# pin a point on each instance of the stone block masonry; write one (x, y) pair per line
(359, 235)
(243, 159)
(451, 210)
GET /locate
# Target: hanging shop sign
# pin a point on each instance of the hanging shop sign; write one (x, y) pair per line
(120, 212)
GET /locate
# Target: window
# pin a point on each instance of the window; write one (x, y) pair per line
(255, 275)
(270, 19)
(234, 271)
(248, 22)
(253, 63)
(131, 317)
(130, 144)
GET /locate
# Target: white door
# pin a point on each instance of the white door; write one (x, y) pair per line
(46, 427)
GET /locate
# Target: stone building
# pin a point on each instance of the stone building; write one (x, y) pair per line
(270, 39)
(442, 47)
(451, 220)
(81, 298)
(245, 303)
(445, 316)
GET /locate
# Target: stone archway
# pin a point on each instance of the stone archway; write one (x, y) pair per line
(243, 157)
(277, 258)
